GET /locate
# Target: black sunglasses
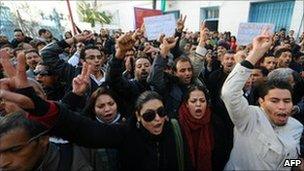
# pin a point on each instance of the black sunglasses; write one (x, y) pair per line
(43, 73)
(149, 115)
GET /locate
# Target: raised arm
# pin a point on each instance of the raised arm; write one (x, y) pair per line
(62, 122)
(50, 56)
(232, 94)
(157, 76)
(198, 59)
(180, 24)
(115, 67)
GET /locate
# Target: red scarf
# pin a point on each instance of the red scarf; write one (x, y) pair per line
(199, 131)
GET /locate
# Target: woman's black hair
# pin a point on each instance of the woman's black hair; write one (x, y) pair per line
(144, 97)
(90, 107)
(200, 88)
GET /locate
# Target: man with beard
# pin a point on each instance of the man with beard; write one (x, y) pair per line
(32, 58)
(65, 71)
(19, 38)
(128, 89)
(172, 87)
(53, 88)
(223, 127)
(266, 136)
(284, 57)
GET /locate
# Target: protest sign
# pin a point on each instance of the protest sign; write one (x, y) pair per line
(157, 25)
(140, 13)
(247, 31)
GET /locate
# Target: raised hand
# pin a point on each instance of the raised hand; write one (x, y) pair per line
(203, 34)
(16, 76)
(124, 43)
(79, 38)
(263, 42)
(82, 81)
(83, 37)
(161, 38)
(80, 46)
(260, 45)
(17, 79)
(180, 24)
(167, 44)
(139, 32)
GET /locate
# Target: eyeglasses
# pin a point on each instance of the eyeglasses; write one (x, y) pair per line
(92, 57)
(150, 115)
(43, 73)
(23, 145)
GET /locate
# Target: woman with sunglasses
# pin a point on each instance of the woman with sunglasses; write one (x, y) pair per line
(195, 121)
(146, 142)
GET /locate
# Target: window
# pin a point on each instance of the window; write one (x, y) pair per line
(211, 15)
(278, 13)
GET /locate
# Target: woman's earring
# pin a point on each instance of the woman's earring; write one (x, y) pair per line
(167, 118)
(138, 124)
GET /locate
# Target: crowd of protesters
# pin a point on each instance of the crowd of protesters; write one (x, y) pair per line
(192, 101)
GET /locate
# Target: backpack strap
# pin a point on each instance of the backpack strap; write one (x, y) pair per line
(179, 144)
(66, 157)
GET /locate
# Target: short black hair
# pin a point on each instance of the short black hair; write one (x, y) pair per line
(263, 70)
(264, 87)
(41, 31)
(18, 30)
(18, 120)
(31, 50)
(181, 59)
(279, 52)
(197, 87)
(82, 53)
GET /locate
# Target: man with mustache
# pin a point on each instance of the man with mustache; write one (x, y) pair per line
(32, 58)
(128, 89)
(264, 137)
(223, 127)
(284, 57)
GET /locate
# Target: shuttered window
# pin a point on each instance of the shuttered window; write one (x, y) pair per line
(278, 13)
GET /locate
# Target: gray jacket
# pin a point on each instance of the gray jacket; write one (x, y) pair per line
(52, 158)
(258, 145)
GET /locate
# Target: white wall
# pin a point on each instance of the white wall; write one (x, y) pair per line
(232, 13)
(192, 10)
(296, 17)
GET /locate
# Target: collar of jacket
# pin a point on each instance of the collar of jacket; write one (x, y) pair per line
(50, 159)
(151, 137)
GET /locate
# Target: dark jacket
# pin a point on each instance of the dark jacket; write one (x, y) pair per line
(65, 71)
(222, 124)
(109, 45)
(15, 42)
(138, 149)
(171, 89)
(100, 159)
(128, 90)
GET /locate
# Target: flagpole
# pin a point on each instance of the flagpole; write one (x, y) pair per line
(71, 17)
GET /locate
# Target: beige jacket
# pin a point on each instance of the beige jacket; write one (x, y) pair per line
(258, 145)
